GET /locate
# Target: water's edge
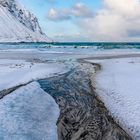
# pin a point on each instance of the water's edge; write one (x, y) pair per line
(83, 116)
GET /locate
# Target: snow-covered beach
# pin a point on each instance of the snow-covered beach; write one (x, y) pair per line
(117, 85)
(27, 112)
(19, 72)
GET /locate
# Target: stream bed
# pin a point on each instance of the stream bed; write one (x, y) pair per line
(83, 116)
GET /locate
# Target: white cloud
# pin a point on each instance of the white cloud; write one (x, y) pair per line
(124, 7)
(58, 15)
(104, 26)
(118, 20)
(81, 10)
(78, 10)
(63, 37)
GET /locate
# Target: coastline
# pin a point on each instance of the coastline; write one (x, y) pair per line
(83, 113)
(117, 85)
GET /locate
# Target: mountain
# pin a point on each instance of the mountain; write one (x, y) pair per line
(19, 25)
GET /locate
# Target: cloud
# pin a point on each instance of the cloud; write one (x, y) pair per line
(127, 8)
(79, 10)
(75, 37)
(58, 15)
(118, 20)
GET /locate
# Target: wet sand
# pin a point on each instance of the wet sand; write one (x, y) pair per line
(30, 56)
(102, 57)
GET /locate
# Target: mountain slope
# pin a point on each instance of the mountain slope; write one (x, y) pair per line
(18, 25)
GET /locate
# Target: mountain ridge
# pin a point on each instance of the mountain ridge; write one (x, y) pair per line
(18, 24)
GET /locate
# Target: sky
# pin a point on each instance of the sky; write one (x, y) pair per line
(88, 20)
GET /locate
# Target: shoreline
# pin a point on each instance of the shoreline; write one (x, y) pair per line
(77, 83)
(117, 85)
(83, 115)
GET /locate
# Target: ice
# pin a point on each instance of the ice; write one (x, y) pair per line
(17, 72)
(28, 113)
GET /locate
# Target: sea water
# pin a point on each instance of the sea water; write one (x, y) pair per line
(73, 47)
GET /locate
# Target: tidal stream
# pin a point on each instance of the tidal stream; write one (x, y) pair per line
(83, 116)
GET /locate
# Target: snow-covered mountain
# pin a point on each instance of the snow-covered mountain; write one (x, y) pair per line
(19, 25)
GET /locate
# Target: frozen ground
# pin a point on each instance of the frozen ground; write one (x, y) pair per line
(28, 113)
(63, 55)
(113, 87)
(118, 85)
(16, 72)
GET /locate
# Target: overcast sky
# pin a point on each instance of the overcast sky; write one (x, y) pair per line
(88, 20)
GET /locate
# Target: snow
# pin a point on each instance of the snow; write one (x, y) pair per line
(28, 113)
(17, 72)
(118, 86)
(19, 25)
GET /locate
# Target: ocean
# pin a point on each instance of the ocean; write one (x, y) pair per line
(81, 47)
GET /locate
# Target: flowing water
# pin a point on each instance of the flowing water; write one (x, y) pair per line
(83, 116)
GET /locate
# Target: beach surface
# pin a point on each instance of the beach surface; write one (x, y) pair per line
(77, 84)
(117, 85)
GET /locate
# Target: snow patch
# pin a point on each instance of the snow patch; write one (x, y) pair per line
(17, 72)
(28, 113)
(118, 85)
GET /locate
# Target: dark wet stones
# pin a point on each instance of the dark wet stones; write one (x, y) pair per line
(83, 116)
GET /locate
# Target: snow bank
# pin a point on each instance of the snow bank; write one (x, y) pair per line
(16, 72)
(118, 85)
(28, 113)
